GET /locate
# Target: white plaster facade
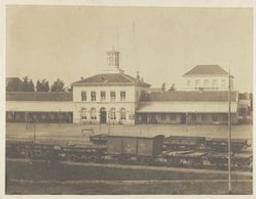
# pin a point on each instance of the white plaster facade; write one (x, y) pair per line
(83, 108)
(207, 82)
(208, 77)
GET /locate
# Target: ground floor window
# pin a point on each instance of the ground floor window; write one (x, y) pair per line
(122, 114)
(173, 116)
(193, 117)
(93, 114)
(204, 117)
(84, 114)
(112, 113)
(39, 117)
(163, 116)
(215, 117)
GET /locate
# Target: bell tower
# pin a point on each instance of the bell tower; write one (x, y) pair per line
(113, 62)
(113, 58)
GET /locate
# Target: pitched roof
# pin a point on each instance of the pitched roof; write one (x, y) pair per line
(206, 70)
(39, 96)
(110, 79)
(190, 96)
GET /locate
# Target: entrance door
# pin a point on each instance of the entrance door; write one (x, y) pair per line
(103, 116)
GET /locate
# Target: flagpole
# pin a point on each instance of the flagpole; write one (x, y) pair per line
(229, 134)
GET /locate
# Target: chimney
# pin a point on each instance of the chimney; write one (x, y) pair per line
(138, 76)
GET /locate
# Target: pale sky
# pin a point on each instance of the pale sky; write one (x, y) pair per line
(67, 42)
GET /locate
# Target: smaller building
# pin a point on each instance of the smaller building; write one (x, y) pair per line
(207, 77)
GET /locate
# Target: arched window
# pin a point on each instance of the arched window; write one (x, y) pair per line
(112, 113)
(122, 114)
(84, 114)
(93, 113)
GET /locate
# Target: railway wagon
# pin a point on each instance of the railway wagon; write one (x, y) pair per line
(99, 139)
(139, 149)
(221, 145)
(184, 142)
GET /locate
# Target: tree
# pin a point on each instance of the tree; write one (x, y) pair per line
(14, 84)
(31, 86)
(57, 86)
(42, 86)
(27, 85)
(172, 88)
(163, 87)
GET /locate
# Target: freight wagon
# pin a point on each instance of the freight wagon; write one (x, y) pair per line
(131, 149)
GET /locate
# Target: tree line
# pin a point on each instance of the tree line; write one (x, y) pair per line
(27, 85)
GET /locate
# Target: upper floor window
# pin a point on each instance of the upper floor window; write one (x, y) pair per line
(102, 95)
(188, 83)
(206, 83)
(83, 96)
(214, 83)
(197, 83)
(112, 95)
(223, 83)
(93, 96)
(122, 95)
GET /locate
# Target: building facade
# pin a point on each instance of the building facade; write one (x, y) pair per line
(188, 107)
(209, 78)
(114, 97)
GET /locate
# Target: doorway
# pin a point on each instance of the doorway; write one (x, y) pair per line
(103, 115)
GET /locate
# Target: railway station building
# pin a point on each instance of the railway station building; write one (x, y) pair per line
(114, 97)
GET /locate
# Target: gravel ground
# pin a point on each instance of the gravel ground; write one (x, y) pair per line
(73, 132)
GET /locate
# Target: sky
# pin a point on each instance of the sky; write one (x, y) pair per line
(162, 43)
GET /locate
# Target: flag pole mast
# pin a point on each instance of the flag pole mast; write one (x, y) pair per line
(229, 133)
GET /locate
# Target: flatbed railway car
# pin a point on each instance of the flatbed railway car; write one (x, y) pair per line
(100, 139)
(182, 158)
(221, 145)
(184, 142)
(242, 160)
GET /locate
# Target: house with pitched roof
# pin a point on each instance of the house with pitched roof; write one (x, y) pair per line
(207, 77)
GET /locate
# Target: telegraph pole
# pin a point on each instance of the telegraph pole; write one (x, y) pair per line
(229, 134)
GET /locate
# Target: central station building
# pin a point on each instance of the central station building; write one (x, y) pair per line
(115, 97)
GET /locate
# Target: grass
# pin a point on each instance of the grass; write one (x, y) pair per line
(49, 180)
